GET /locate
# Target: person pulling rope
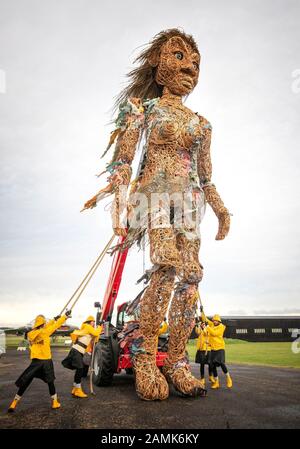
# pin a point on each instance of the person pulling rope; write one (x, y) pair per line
(41, 366)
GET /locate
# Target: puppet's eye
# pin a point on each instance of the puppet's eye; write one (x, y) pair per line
(179, 55)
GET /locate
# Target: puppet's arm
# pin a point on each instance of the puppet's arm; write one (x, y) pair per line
(120, 178)
(128, 128)
(205, 173)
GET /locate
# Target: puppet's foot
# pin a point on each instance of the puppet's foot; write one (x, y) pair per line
(184, 382)
(151, 385)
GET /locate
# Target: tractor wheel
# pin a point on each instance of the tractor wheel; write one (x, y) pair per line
(103, 365)
(129, 371)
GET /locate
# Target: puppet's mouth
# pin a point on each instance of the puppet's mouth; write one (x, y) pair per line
(187, 82)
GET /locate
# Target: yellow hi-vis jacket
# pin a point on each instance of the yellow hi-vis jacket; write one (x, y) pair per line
(163, 328)
(203, 340)
(39, 339)
(215, 334)
(85, 336)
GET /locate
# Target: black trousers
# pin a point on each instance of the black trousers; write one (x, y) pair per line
(218, 359)
(78, 375)
(223, 368)
(202, 367)
(24, 387)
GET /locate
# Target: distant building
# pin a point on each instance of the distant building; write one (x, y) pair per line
(261, 328)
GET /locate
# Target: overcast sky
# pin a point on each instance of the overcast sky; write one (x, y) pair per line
(61, 64)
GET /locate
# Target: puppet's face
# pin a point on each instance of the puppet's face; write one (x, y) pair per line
(177, 66)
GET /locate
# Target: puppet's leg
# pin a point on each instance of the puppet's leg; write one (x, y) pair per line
(163, 249)
(150, 382)
(182, 320)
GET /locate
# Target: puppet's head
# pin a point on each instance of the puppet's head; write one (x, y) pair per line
(171, 61)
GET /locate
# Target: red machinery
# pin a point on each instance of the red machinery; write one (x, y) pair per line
(110, 357)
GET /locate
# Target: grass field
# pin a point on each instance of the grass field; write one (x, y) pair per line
(237, 351)
(13, 341)
(272, 354)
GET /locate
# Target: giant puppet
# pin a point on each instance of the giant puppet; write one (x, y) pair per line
(175, 163)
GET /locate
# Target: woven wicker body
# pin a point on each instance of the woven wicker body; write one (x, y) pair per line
(166, 203)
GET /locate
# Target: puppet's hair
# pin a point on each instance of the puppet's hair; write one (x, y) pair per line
(142, 82)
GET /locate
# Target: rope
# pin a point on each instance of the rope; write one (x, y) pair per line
(88, 276)
(207, 337)
(144, 258)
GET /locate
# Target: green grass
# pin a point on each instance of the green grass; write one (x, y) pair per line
(13, 341)
(237, 351)
(271, 354)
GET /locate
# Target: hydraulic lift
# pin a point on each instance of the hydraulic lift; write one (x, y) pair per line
(109, 357)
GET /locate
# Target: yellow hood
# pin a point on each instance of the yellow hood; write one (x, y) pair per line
(40, 319)
(217, 318)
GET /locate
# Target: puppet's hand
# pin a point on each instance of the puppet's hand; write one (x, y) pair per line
(118, 180)
(217, 205)
(91, 203)
(224, 224)
(120, 231)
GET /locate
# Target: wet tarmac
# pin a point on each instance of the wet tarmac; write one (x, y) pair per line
(262, 397)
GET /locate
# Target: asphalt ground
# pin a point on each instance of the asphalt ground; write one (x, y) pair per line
(262, 397)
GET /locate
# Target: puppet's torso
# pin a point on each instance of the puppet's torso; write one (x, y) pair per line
(173, 136)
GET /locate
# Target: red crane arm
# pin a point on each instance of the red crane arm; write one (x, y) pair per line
(114, 281)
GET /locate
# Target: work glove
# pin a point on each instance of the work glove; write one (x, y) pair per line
(68, 313)
(201, 309)
(57, 317)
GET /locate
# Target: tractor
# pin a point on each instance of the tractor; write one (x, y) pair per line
(111, 353)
